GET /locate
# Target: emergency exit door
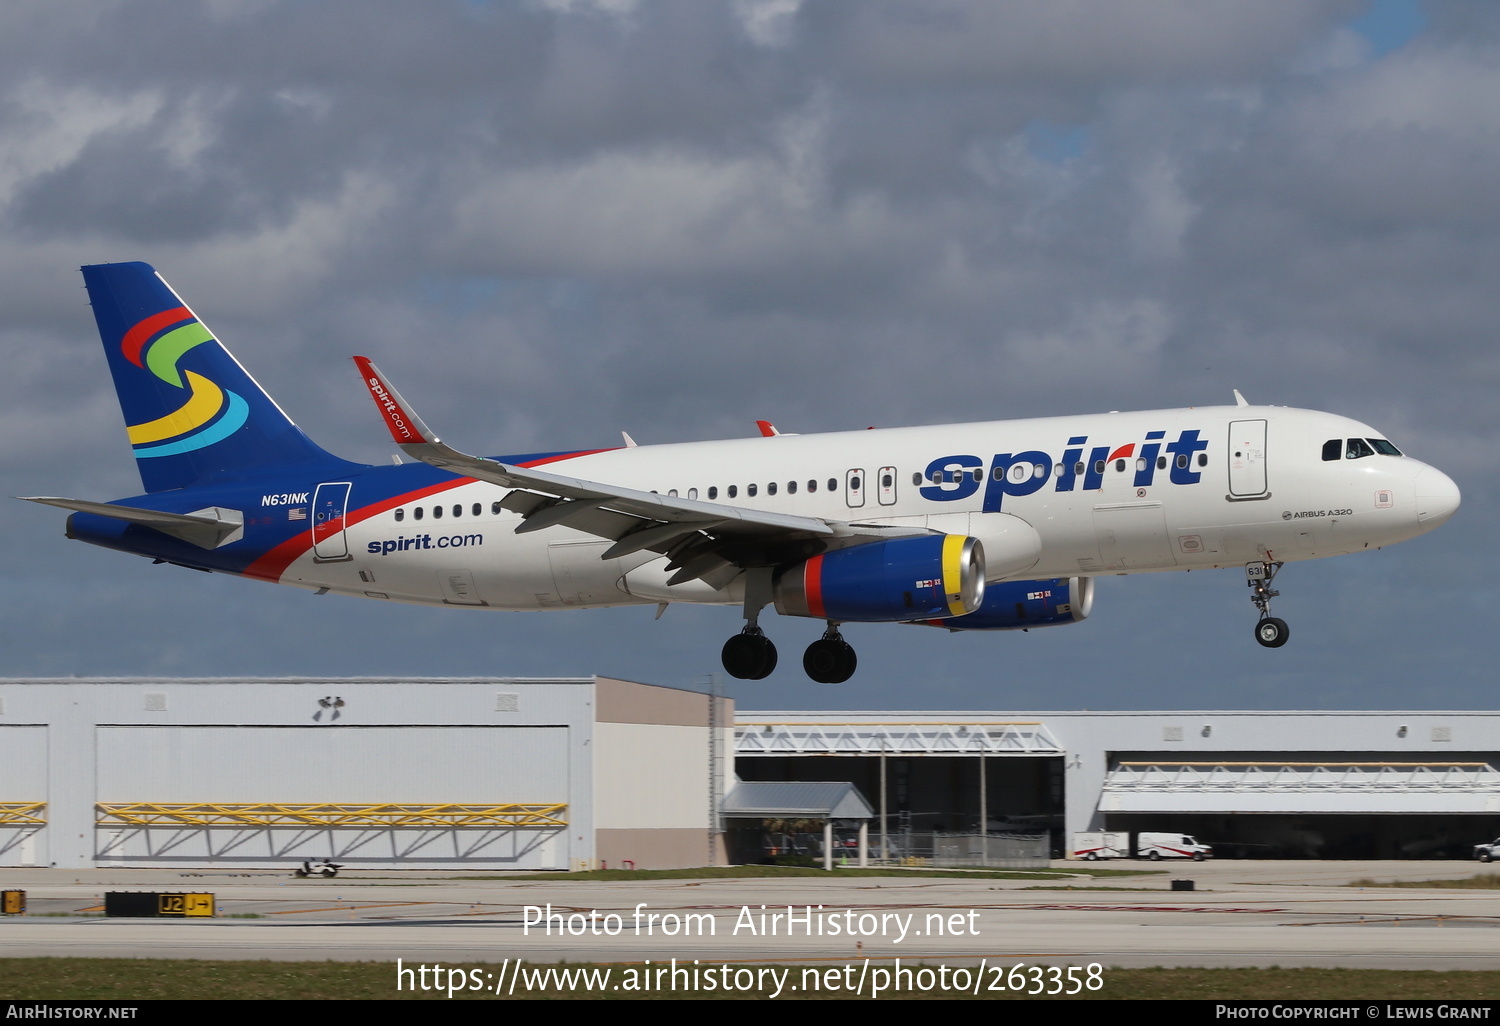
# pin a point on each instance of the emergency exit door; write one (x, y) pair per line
(1247, 459)
(330, 504)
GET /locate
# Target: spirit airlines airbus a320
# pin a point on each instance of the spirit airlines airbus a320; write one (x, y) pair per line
(993, 526)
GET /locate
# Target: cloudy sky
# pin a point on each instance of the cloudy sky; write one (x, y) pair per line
(551, 221)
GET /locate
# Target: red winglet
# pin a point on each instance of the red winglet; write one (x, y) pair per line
(767, 428)
(405, 426)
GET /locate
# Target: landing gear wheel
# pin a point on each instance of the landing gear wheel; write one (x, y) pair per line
(830, 660)
(1271, 632)
(749, 655)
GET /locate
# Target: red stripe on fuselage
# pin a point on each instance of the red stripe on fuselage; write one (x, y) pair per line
(272, 564)
(135, 339)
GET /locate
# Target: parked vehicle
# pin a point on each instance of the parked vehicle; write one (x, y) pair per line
(1487, 852)
(1100, 844)
(1155, 846)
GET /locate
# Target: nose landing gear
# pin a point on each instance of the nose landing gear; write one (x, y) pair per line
(830, 659)
(1270, 631)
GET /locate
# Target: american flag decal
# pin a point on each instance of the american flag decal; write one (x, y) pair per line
(297, 513)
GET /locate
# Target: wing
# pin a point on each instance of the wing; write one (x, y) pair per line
(707, 540)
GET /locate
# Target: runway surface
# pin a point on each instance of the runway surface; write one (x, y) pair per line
(1240, 914)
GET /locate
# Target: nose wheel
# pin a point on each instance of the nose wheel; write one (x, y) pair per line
(830, 659)
(749, 655)
(1270, 631)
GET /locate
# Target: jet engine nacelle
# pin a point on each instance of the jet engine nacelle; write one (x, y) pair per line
(900, 579)
(1018, 605)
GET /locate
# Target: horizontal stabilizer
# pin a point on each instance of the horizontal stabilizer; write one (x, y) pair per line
(205, 528)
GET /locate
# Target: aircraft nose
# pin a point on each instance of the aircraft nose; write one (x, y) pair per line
(1437, 497)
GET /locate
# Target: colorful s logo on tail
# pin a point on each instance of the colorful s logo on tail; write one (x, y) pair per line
(192, 414)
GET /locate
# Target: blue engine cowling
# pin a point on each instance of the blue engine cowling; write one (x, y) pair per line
(881, 582)
(1021, 605)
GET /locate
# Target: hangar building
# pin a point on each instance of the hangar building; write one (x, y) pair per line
(1289, 784)
(518, 774)
(574, 773)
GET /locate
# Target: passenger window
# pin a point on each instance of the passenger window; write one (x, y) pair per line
(495, 508)
(713, 491)
(833, 484)
(750, 490)
(791, 487)
(853, 484)
(458, 510)
(1098, 466)
(417, 513)
(478, 509)
(1119, 466)
(1333, 449)
(770, 487)
(400, 515)
(916, 478)
(1140, 464)
(1357, 449)
(886, 481)
(1078, 469)
(437, 512)
(812, 486)
(1182, 461)
(1203, 459)
(672, 492)
(692, 493)
(733, 490)
(1161, 463)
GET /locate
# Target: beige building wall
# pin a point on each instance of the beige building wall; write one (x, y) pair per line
(651, 774)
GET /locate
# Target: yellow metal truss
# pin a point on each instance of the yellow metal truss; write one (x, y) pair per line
(277, 814)
(18, 813)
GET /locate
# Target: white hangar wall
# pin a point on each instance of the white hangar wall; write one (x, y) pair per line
(497, 773)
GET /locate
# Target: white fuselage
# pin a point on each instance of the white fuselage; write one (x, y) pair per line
(1179, 490)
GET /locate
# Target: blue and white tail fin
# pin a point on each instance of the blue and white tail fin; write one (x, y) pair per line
(192, 413)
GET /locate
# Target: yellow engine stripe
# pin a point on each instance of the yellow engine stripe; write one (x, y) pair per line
(953, 551)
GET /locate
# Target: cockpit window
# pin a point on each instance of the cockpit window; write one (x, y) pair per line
(1357, 448)
(1383, 447)
(1333, 449)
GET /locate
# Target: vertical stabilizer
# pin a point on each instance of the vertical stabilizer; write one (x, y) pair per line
(192, 413)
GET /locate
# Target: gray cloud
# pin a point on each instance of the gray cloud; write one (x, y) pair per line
(551, 221)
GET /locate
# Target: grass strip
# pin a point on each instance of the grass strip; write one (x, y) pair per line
(785, 872)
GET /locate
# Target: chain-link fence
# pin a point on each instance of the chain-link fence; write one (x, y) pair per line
(961, 851)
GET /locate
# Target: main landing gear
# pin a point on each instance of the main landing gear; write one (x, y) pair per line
(750, 655)
(830, 659)
(1270, 631)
